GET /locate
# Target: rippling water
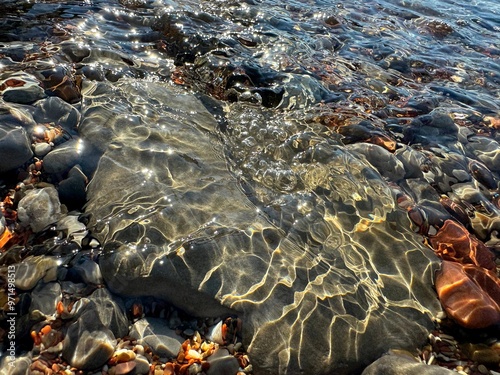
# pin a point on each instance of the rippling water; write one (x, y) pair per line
(280, 140)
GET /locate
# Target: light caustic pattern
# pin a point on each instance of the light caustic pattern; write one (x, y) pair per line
(327, 274)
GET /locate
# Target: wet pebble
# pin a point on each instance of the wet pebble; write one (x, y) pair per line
(23, 90)
(15, 143)
(45, 297)
(155, 333)
(141, 365)
(41, 149)
(222, 363)
(62, 158)
(39, 208)
(72, 189)
(55, 110)
(87, 269)
(34, 268)
(88, 344)
(401, 364)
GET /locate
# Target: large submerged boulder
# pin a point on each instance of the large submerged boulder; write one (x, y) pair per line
(326, 274)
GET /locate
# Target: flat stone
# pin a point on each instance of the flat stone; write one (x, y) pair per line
(402, 365)
(39, 208)
(183, 229)
(155, 333)
(32, 269)
(27, 94)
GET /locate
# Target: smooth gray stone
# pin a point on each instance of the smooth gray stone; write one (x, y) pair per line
(88, 343)
(15, 143)
(109, 310)
(45, 297)
(381, 159)
(62, 158)
(34, 268)
(42, 149)
(24, 95)
(323, 291)
(90, 340)
(393, 364)
(20, 365)
(222, 363)
(155, 333)
(54, 109)
(89, 271)
(39, 208)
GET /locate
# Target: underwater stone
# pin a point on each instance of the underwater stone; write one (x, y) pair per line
(39, 208)
(181, 229)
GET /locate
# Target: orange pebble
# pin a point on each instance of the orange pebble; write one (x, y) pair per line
(46, 329)
(60, 307)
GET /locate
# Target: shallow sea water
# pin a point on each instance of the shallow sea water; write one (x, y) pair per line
(289, 141)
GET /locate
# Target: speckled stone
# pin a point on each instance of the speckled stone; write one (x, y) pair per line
(39, 208)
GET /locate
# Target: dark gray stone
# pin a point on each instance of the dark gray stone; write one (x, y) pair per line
(62, 158)
(45, 297)
(24, 95)
(15, 143)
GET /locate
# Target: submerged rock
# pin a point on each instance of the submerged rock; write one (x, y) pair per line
(39, 208)
(155, 333)
(180, 228)
(14, 142)
(394, 364)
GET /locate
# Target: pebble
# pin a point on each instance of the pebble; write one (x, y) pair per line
(72, 189)
(32, 269)
(29, 93)
(41, 149)
(124, 368)
(39, 208)
(154, 332)
(222, 363)
(88, 343)
(15, 143)
(55, 110)
(62, 158)
(87, 269)
(394, 364)
(45, 297)
(141, 365)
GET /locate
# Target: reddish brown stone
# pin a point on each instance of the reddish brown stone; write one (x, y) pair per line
(469, 294)
(454, 242)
